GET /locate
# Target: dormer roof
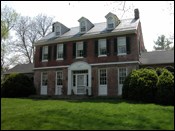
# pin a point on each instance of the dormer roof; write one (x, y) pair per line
(88, 25)
(115, 21)
(95, 30)
(62, 28)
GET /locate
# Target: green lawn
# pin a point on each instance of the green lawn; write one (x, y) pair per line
(83, 114)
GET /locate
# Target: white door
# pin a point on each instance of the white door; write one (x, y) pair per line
(122, 73)
(58, 90)
(81, 84)
(43, 90)
(44, 79)
(102, 90)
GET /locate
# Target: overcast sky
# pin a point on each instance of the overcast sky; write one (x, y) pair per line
(156, 17)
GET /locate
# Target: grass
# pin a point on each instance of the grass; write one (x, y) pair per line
(83, 114)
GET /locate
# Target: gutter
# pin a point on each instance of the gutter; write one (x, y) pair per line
(59, 40)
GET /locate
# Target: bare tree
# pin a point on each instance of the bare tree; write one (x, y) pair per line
(44, 24)
(120, 7)
(8, 20)
(33, 35)
(9, 58)
(22, 44)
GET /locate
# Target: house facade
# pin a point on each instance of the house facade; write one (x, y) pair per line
(91, 59)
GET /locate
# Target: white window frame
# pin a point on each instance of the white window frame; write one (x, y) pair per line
(58, 88)
(110, 22)
(58, 46)
(100, 77)
(119, 74)
(99, 48)
(121, 45)
(60, 78)
(77, 44)
(58, 29)
(45, 51)
(42, 78)
(83, 26)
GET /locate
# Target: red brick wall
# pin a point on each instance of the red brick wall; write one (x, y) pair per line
(91, 58)
(112, 79)
(51, 80)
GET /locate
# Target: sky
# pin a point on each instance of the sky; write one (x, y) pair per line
(155, 16)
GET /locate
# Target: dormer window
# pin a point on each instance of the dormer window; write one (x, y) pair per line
(110, 23)
(83, 26)
(57, 30)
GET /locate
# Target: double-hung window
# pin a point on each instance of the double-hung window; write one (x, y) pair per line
(79, 49)
(57, 30)
(110, 23)
(121, 45)
(103, 76)
(44, 79)
(102, 47)
(59, 78)
(122, 75)
(83, 26)
(59, 51)
(45, 53)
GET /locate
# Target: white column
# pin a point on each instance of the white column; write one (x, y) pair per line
(69, 82)
(89, 81)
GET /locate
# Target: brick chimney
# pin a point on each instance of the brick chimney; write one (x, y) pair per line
(136, 13)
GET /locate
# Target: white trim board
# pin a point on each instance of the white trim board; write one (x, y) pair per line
(118, 63)
(97, 64)
(52, 67)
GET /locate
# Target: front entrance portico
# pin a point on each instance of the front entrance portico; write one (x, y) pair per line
(79, 78)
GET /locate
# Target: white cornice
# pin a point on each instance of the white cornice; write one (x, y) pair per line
(96, 64)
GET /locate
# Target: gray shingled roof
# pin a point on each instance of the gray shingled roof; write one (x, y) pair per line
(99, 28)
(22, 68)
(157, 57)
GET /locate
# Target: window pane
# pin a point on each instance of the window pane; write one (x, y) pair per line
(60, 51)
(103, 76)
(111, 25)
(45, 53)
(121, 41)
(102, 47)
(82, 26)
(59, 78)
(122, 75)
(44, 79)
(121, 44)
(79, 49)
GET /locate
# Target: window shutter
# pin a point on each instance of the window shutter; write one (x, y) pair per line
(40, 55)
(128, 45)
(52, 28)
(49, 53)
(55, 52)
(74, 50)
(64, 51)
(85, 49)
(115, 46)
(108, 46)
(96, 47)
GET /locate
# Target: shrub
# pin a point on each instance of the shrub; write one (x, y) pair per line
(140, 85)
(17, 85)
(165, 88)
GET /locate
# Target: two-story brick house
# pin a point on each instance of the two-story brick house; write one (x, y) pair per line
(93, 58)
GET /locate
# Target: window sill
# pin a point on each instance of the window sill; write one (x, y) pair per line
(102, 56)
(59, 59)
(44, 60)
(121, 54)
(79, 57)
